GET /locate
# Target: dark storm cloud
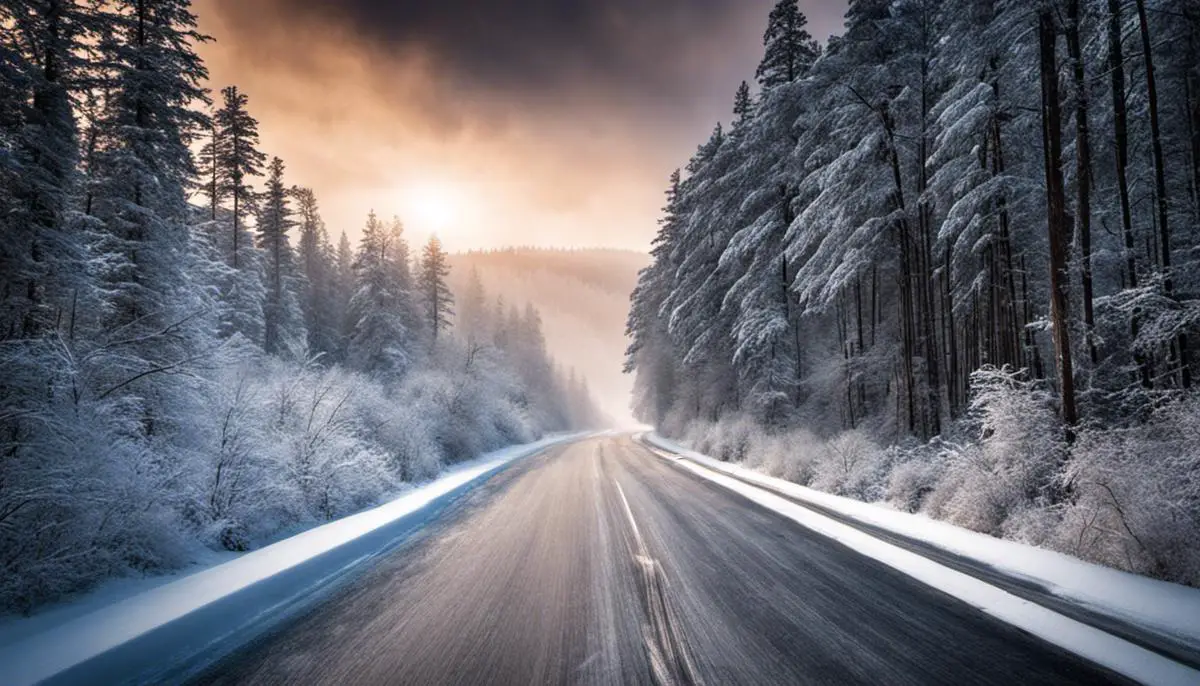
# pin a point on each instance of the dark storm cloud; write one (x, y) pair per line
(556, 122)
(660, 47)
(536, 43)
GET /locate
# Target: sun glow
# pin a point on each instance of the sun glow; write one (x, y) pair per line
(432, 206)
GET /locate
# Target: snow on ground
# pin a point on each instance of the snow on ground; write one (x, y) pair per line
(1157, 605)
(137, 629)
(14, 628)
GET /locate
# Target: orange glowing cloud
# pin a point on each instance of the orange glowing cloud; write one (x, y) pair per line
(564, 143)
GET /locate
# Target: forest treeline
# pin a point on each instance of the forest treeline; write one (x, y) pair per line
(583, 295)
(948, 260)
(186, 359)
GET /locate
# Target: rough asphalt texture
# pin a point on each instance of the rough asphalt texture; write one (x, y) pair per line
(600, 563)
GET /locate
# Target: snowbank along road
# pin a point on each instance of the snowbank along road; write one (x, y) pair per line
(598, 562)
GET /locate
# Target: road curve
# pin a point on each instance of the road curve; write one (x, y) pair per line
(599, 563)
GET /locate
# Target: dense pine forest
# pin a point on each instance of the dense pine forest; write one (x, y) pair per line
(949, 260)
(187, 360)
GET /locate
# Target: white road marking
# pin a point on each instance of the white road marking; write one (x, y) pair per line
(637, 535)
(1095, 644)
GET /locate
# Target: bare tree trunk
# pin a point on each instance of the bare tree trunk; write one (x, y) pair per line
(948, 324)
(908, 314)
(236, 176)
(932, 350)
(1160, 185)
(1056, 215)
(1083, 173)
(1116, 68)
(1191, 14)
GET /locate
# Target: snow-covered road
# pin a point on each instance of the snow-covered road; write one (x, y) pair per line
(604, 560)
(599, 562)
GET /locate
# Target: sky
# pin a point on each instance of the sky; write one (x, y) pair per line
(490, 122)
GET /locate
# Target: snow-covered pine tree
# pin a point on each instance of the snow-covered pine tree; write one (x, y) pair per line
(711, 200)
(240, 161)
(984, 217)
(471, 321)
(436, 297)
(319, 272)
(230, 159)
(44, 51)
(790, 50)
(382, 340)
(208, 167)
(344, 289)
(743, 105)
(650, 353)
(283, 322)
(145, 167)
(766, 337)
(411, 305)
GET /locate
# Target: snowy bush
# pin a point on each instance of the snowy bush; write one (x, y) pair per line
(915, 474)
(246, 451)
(792, 455)
(80, 498)
(783, 454)
(1127, 497)
(728, 440)
(1015, 463)
(1136, 495)
(853, 465)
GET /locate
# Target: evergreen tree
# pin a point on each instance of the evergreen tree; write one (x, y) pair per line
(501, 334)
(345, 288)
(382, 340)
(208, 167)
(412, 308)
(471, 321)
(319, 276)
(236, 133)
(435, 293)
(743, 105)
(145, 165)
(44, 52)
(283, 323)
(650, 353)
(229, 159)
(790, 50)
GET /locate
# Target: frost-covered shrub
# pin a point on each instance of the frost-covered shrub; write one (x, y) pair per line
(468, 413)
(236, 452)
(915, 473)
(1014, 466)
(785, 454)
(407, 437)
(851, 464)
(1127, 497)
(80, 498)
(730, 440)
(698, 435)
(1136, 495)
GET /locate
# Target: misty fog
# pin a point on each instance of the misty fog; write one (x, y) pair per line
(583, 296)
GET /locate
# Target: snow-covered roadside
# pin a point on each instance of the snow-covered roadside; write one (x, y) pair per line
(1156, 605)
(136, 637)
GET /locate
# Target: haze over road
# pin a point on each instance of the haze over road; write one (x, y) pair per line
(598, 562)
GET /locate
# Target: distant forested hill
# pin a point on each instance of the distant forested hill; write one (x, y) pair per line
(583, 295)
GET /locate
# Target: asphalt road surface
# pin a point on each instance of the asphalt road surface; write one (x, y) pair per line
(598, 562)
